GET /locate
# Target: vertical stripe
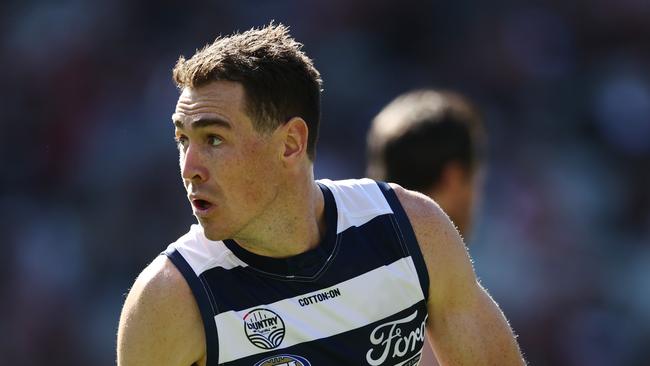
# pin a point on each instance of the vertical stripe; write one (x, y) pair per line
(206, 307)
(406, 231)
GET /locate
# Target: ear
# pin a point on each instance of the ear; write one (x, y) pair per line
(295, 139)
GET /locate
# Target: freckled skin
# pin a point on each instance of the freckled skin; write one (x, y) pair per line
(264, 196)
(239, 175)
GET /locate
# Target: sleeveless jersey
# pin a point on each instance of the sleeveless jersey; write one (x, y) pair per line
(358, 298)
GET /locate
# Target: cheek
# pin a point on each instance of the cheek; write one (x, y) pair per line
(260, 172)
(259, 155)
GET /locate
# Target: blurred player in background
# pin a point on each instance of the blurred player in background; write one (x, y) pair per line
(286, 270)
(430, 141)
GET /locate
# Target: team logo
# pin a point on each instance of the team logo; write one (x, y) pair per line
(284, 360)
(265, 329)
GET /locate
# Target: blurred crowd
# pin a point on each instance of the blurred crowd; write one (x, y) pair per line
(91, 191)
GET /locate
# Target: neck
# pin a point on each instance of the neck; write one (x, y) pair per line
(294, 223)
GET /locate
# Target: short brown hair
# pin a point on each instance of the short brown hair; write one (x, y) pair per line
(416, 135)
(280, 81)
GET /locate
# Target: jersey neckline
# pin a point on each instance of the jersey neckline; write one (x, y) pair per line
(306, 264)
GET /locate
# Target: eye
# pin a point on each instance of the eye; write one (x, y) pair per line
(181, 142)
(214, 140)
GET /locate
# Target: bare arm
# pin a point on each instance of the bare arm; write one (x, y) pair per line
(160, 322)
(466, 327)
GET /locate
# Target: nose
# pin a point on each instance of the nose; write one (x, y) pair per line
(192, 163)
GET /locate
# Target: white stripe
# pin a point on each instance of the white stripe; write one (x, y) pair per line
(365, 299)
(203, 254)
(357, 201)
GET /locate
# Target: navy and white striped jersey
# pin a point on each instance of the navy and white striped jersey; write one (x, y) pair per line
(359, 298)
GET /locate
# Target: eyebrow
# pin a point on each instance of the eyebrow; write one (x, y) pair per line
(204, 122)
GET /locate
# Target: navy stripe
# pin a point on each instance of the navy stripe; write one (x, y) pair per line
(358, 250)
(352, 347)
(406, 231)
(206, 307)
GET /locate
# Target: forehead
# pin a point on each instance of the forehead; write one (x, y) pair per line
(222, 100)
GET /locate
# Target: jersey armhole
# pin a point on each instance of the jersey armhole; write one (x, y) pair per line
(406, 230)
(206, 307)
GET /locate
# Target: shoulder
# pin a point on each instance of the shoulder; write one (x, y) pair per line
(418, 206)
(160, 285)
(160, 319)
(443, 249)
(429, 221)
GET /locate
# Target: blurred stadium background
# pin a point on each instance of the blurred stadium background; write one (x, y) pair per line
(91, 192)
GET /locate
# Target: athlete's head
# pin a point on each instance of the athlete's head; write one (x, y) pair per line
(246, 124)
(279, 80)
(429, 141)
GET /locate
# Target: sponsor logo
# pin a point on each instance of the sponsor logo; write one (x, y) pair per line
(264, 328)
(391, 340)
(284, 360)
(325, 295)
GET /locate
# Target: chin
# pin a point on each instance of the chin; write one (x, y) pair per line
(213, 233)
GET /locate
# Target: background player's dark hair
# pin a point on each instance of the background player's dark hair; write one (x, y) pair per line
(280, 81)
(414, 137)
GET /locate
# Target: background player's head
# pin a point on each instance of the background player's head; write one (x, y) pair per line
(246, 125)
(430, 141)
(279, 80)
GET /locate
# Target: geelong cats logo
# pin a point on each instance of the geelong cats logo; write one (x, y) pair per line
(264, 328)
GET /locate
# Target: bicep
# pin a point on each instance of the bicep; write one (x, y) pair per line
(466, 326)
(470, 328)
(159, 324)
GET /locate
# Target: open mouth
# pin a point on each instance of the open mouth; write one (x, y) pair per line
(201, 205)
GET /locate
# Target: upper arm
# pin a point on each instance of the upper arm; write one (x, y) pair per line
(160, 322)
(465, 325)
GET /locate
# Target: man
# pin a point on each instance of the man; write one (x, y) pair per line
(430, 141)
(285, 270)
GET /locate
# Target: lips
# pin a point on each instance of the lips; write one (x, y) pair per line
(200, 204)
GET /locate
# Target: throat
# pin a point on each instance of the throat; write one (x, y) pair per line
(290, 234)
(287, 244)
